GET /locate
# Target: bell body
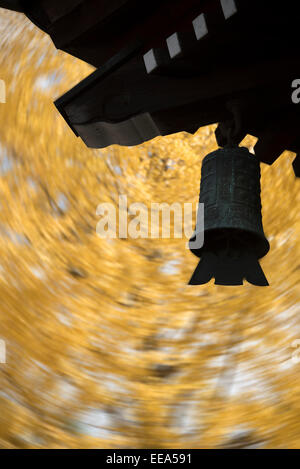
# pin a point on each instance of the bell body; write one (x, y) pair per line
(234, 239)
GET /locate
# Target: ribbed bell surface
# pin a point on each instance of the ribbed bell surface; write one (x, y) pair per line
(234, 239)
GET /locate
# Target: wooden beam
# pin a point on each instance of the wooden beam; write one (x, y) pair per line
(12, 5)
(296, 166)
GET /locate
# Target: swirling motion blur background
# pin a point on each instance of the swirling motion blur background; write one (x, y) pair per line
(106, 345)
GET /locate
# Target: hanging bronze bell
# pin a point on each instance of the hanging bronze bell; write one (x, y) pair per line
(234, 239)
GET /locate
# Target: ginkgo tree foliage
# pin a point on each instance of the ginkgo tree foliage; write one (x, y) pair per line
(106, 345)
